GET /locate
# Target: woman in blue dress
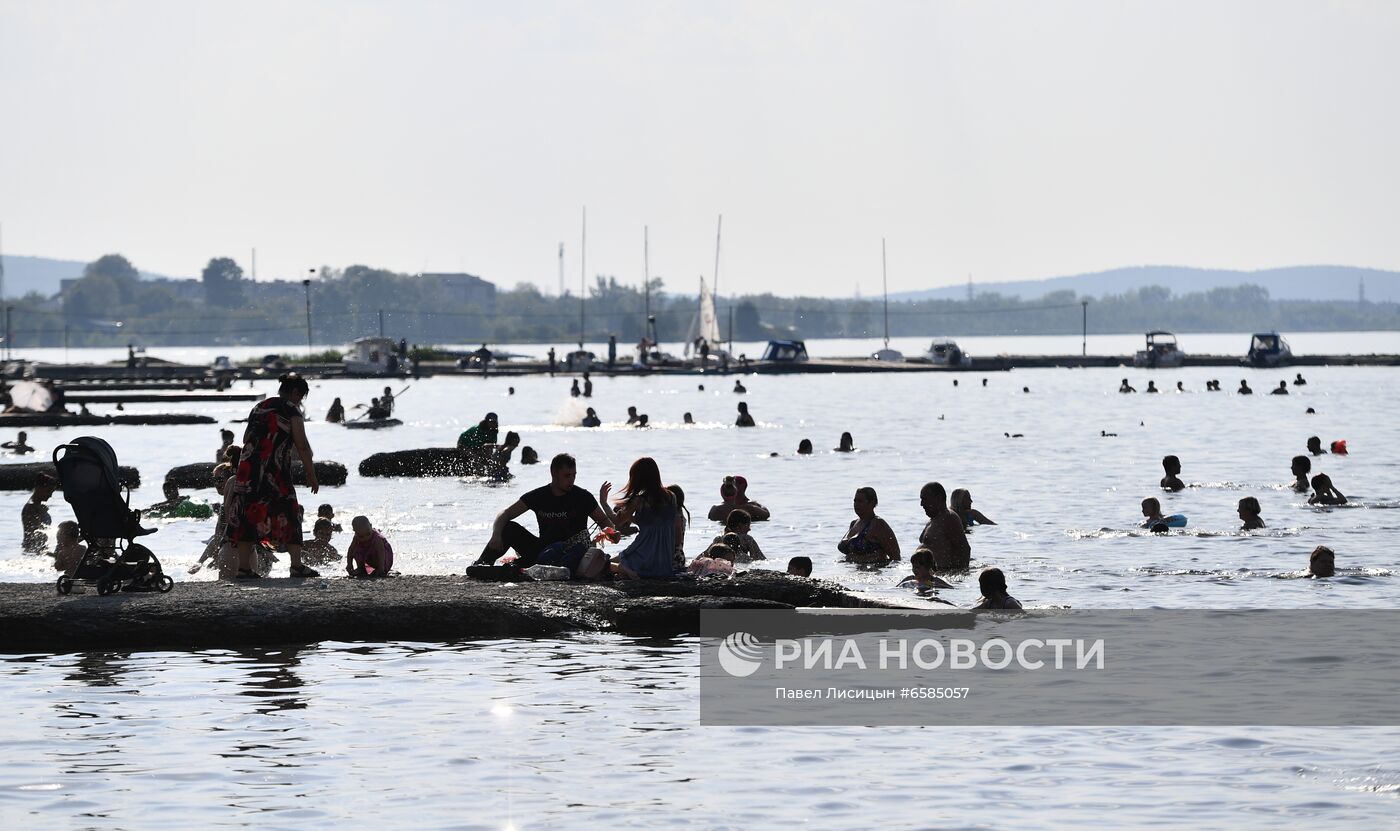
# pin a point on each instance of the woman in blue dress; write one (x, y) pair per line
(646, 503)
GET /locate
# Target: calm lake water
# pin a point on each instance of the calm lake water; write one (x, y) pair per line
(603, 729)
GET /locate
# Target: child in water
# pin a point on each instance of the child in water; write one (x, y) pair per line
(960, 501)
(69, 551)
(320, 552)
(1302, 466)
(1171, 465)
(326, 512)
(1324, 492)
(1249, 511)
(738, 524)
(994, 591)
(923, 579)
(800, 567)
(1158, 524)
(1322, 562)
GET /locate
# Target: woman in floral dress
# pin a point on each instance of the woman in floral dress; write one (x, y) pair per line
(264, 505)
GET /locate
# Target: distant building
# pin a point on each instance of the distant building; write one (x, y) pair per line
(466, 290)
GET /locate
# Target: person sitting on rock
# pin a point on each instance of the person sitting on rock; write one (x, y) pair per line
(369, 554)
(718, 561)
(563, 510)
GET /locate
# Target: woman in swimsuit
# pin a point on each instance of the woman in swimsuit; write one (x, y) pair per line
(869, 538)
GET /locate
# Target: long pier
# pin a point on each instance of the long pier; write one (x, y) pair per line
(91, 382)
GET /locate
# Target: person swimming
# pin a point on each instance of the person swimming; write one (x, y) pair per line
(737, 536)
(744, 419)
(944, 534)
(574, 390)
(1315, 446)
(20, 445)
(591, 419)
(528, 456)
(869, 539)
(994, 592)
(1302, 466)
(1322, 562)
(800, 567)
(739, 386)
(1281, 389)
(642, 421)
(1298, 380)
(1172, 481)
(847, 444)
(1244, 388)
(1180, 387)
(1153, 519)
(632, 415)
(1152, 387)
(804, 447)
(923, 579)
(687, 419)
(733, 494)
(1324, 492)
(1249, 512)
(960, 503)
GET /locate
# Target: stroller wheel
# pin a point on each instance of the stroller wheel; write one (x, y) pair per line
(65, 584)
(164, 584)
(107, 586)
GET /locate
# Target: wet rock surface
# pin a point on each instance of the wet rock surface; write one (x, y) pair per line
(34, 618)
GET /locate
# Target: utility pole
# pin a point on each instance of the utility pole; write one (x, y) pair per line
(306, 284)
(254, 262)
(561, 269)
(9, 352)
(381, 323)
(1084, 331)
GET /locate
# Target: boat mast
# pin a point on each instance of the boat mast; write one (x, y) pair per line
(646, 282)
(583, 280)
(885, 284)
(714, 294)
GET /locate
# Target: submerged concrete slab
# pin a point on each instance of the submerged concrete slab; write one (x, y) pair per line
(34, 618)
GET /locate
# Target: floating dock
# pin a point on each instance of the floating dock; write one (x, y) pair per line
(104, 377)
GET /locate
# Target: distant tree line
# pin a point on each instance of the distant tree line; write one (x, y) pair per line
(110, 305)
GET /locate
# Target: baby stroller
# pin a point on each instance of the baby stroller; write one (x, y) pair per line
(87, 472)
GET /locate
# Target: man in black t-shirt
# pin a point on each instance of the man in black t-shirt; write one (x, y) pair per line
(562, 510)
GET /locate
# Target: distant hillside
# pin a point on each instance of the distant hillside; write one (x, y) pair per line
(41, 274)
(1304, 282)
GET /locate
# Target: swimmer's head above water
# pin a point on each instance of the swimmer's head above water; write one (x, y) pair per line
(1322, 562)
(804, 447)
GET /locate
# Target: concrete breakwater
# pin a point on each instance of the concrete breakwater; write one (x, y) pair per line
(222, 614)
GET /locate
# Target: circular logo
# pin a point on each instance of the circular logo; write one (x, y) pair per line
(740, 654)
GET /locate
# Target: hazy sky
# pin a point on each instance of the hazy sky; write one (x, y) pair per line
(1006, 140)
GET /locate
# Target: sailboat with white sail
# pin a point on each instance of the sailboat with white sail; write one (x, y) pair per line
(704, 326)
(886, 354)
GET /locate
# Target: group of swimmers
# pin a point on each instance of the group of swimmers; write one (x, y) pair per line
(1250, 512)
(1213, 385)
